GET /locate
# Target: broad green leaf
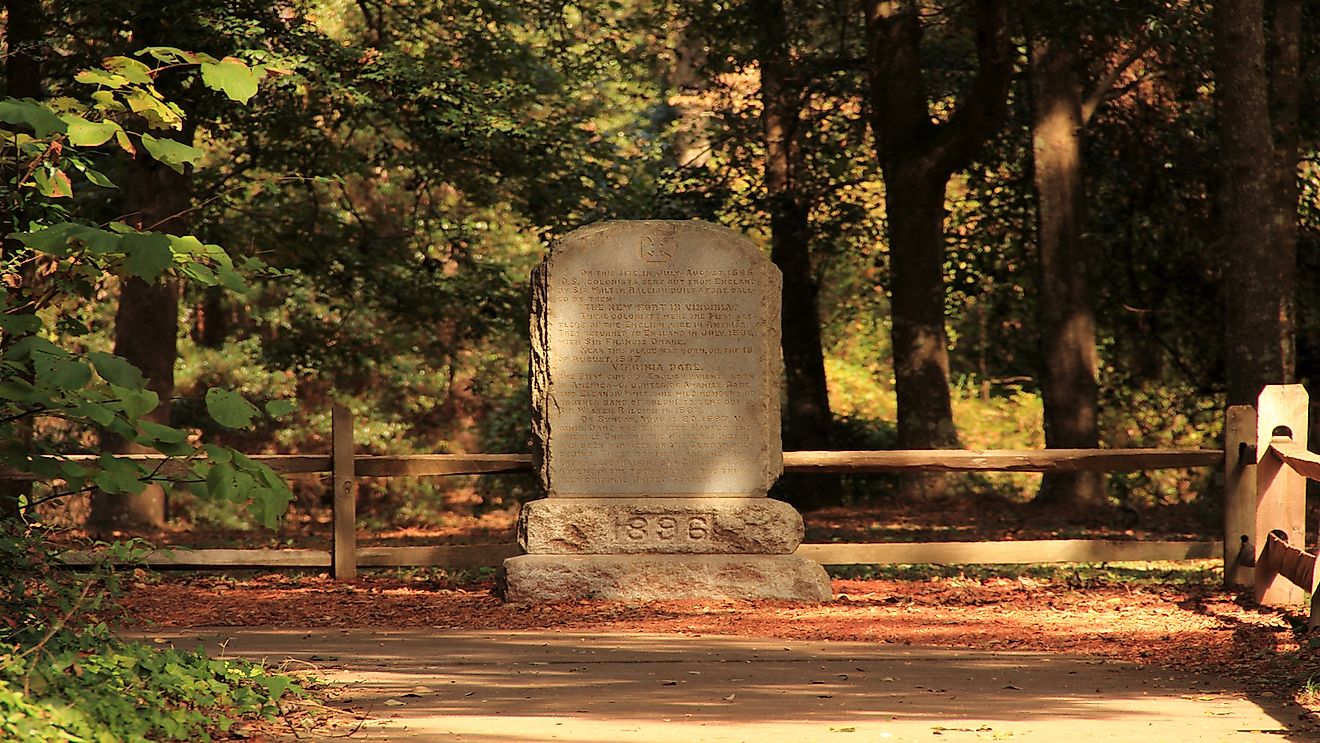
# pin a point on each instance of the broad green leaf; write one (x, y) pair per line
(18, 390)
(101, 77)
(220, 481)
(98, 178)
(231, 77)
(232, 280)
(96, 240)
(171, 152)
(65, 374)
(103, 415)
(156, 110)
(52, 240)
(229, 409)
(135, 402)
(171, 55)
(163, 434)
(118, 475)
(280, 408)
(133, 70)
(218, 453)
(147, 254)
(200, 273)
(52, 182)
(116, 370)
(43, 121)
(84, 133)
(19, 323)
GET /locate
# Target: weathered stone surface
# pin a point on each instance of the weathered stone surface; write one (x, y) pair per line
(539, 579)
(656, 362)
(573, 526)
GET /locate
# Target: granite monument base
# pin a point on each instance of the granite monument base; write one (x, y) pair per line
(543, 579)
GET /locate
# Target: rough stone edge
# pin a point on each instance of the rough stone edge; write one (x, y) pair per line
(549, 579)
(551, 507)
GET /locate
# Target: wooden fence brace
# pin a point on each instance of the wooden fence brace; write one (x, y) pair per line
(1279, 558)
(344, 504)
(1239, 495)
(1280, 490)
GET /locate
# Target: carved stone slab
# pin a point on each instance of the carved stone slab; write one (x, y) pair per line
(573, 526)
(656, 363)
(538, 579)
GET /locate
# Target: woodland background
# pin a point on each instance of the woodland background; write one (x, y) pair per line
(1001, 225)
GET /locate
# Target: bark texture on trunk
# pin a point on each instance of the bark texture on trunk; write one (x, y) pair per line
(917, 158)
(1259, 327)
(807, 416)
(146, 334)
(1066, 308)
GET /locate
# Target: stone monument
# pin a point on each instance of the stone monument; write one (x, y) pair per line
(655, 378)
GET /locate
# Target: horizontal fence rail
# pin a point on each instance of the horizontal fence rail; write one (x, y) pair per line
(821, 462)
(467, 556)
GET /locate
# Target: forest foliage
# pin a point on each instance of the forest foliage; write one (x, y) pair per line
(405, 164)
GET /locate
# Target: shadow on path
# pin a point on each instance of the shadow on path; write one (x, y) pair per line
(532, 686)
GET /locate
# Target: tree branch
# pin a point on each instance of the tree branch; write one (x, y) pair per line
(986, 104)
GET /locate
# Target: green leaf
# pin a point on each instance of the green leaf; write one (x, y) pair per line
(131, 69)
(170, 152)
(118, 475)
(52, 182)
(218, 453)
(170, 55)
(135, 402)
(220, 482)
(84, 133)
(52, 240)
(229, 409)
(163, 434)
(101, 77)
(103, 415)
(64, 374)
(19, 323)
(116, 370)
(43, 121)
(231, 77)
(280, 408)
(147, 254)
(98, 178)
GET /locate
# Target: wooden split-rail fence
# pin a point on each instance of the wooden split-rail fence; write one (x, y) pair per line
(1265, 461)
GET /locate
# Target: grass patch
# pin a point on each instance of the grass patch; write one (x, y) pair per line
(1189, 573)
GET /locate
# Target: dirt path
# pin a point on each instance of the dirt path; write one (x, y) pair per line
(426, 685)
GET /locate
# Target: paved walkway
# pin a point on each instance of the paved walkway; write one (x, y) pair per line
(534, 686)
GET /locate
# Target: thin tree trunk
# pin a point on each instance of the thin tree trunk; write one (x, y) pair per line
(1066, 308)
(807, 419)
(1259, 331)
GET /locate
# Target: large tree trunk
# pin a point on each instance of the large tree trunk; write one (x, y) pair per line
(1066, 309)
(1258, 308)
(146, 334)
(807, 418)
(24, 49)
(917, 158)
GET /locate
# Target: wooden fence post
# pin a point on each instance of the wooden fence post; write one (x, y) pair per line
(1280, 491)
(1239, 495)
(344, 482)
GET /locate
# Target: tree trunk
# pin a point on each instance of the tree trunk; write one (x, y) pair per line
(807, 419)
(1066, 309)
(24, 49)
(146, 334)
(917, 158)
(915, 206)
(1259, 329)
(1284, 50)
